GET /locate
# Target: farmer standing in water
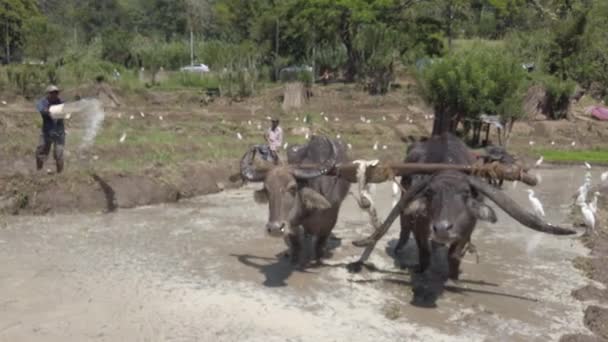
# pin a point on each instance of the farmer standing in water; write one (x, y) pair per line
(53, 131)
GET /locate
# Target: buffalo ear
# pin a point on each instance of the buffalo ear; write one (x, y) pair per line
(313, 200)
(260, 196)
(483, 211)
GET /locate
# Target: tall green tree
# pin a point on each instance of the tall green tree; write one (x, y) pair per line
(13, 15)
(42, 39)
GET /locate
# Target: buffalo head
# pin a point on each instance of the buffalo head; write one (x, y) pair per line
(284, 192)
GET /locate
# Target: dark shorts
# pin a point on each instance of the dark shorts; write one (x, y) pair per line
(47, 140)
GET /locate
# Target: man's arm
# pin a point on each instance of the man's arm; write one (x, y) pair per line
(43, 107)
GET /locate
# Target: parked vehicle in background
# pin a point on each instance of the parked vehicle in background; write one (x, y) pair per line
(200, 68)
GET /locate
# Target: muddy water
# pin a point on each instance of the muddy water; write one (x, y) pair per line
(203, 270)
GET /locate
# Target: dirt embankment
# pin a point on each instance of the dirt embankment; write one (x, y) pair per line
(91, 191)
(595, 268)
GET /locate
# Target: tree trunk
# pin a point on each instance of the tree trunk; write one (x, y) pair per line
(8, 44)
(442, 122)
(450, 16)
(347, 40)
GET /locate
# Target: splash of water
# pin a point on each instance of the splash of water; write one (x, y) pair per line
(90, 114)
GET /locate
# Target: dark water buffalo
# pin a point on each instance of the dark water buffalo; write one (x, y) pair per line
(442, 210)
(301, 200)
(499, 154)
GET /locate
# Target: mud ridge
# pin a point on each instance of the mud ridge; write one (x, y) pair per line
(91, 191)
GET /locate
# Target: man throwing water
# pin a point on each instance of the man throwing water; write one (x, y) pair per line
(53, 131)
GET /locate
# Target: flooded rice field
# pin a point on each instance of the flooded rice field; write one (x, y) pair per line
(204, 270)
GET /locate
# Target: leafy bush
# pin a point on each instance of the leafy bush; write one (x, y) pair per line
(191, 80)
(29, 80)
(375, 48)
(330, 56)
(558, 94)
(468, 83)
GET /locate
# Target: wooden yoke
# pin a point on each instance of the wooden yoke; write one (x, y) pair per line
(386, 171)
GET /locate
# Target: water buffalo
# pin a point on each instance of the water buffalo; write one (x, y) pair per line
(499, 154)
(301, 200)
(442, 209)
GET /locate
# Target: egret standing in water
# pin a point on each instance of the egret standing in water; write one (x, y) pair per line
(539, 161)
(536, 205)
(593, 204)
(588, 217)
(604, 176)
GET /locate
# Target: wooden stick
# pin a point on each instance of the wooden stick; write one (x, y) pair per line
(385, 171)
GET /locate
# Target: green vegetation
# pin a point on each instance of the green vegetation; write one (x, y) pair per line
(472, 82)
(592, 156)
(247, 43)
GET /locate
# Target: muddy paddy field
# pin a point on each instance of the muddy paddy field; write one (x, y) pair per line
(137, 253)
(203, 269)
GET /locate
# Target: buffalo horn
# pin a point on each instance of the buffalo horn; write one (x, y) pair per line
(324, 168)
(248, 170)
(514, 210)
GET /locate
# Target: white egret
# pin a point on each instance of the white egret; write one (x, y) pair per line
(604, 176)
(531, 143)
(376, 146)
(552, 143)
(160, 118)
(539, 161)
(123, 137)
(326, 118)
(249, 122)
(307, 136)
(239, 136)
(285, 146)
(384, 118)
(588, 166)
(588, 216)
(336, 119)
(142, 114)
(338, 136)
(536, 205)
(582, 193)
(573, 143)
(368, 121)
(350, 147)
(593, 204)
(131, 117)
(384, 147)
(362, 118)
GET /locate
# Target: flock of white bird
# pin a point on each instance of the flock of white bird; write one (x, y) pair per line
(588, 208)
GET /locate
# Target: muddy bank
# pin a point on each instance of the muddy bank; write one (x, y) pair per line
(87, 191)
(595, 267)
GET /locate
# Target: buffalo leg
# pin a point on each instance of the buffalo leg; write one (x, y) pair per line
(320, 247)
(404, 235)
(295, 248)
(424, 252)
(454, 259)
